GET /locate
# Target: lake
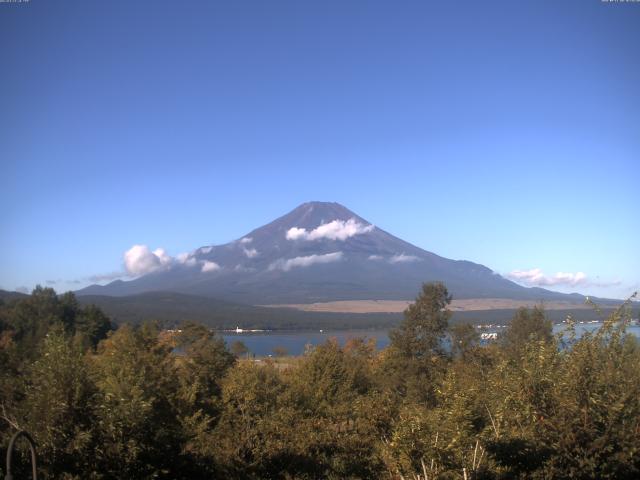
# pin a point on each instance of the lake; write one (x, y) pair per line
(263, 343)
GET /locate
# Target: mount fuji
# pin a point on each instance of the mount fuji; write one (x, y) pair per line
(320, 252)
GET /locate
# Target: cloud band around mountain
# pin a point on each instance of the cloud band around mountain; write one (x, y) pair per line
(104, 277)
(208, 266)
(288, 264)
(335, 230)
(139, 260)
(402, 258)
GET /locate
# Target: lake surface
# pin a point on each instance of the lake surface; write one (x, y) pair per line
(263, 343)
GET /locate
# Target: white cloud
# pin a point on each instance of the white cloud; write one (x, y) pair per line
(208, 266)
(536, 277)
(402, 258)
(335, 230)
(288, 264)
(139, 260)
(246, 240)
(187, 259)
(375, 257)
(295, 233)
(206, 250)
(163, 257)
(250, 252)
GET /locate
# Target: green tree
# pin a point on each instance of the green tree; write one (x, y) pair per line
(140, 434)
(415, 358)
(425, 323)
(333, 392)
(92, 325)
(200, 367)
(251, 438)
(30, 318)
(328, 381)
(205, 360)
(527, 325)
(594, 429)
(464, 340)
(58, 408)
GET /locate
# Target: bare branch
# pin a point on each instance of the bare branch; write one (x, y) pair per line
(11, 421)
(495, 429)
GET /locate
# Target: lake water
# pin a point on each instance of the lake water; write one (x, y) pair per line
(263, 343)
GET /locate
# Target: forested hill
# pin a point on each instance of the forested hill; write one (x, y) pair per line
(173, 308)
(6, 295)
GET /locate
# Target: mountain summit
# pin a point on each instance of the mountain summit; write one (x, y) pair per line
(319, 252)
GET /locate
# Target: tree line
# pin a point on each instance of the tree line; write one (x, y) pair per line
(135, 402)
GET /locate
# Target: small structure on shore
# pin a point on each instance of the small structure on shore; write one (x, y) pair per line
(489, 336)
(245, 330)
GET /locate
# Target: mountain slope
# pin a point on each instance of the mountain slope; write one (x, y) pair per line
(320, 252)
(8, 296)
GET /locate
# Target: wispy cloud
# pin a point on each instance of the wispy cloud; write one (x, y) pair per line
(288, 264)
(243, 269)
(208, 266)
(600, 283)
(206, 250)
(104, 277)
(246, 240)
(335, 230)
(397, 258)
(536, 277)
(402, 258)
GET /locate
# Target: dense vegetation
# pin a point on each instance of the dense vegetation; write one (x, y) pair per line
(137, 402)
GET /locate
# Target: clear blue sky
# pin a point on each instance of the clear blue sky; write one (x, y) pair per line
(506, 133)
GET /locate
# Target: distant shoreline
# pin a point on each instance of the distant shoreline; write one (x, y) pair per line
(398, 306)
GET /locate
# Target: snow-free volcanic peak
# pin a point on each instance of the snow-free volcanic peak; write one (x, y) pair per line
(320, 251)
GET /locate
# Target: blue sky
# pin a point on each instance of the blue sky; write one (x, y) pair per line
(506, 133)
